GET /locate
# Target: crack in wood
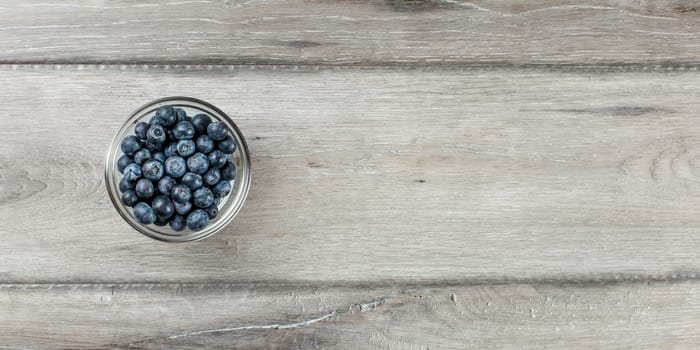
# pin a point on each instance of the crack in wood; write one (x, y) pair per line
(361, 307)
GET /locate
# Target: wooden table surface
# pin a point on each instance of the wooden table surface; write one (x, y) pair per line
(427, 174)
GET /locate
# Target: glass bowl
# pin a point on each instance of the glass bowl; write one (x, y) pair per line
(229, 205)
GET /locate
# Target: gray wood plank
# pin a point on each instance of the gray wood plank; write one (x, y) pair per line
(653, 315)
(369, 175)
(427, 32)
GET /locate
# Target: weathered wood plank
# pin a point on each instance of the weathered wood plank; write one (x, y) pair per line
(654, 315)
(428, 32)
(370, 175)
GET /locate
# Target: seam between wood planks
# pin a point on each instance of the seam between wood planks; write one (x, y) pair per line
(316, 66)
(602, 280)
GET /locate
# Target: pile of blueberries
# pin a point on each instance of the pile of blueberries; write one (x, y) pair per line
(176, 169)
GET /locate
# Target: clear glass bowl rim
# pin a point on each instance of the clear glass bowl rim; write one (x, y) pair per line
(225, 216)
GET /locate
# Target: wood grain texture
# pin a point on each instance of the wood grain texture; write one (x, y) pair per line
(370, 175)
(611, 316)
(425, 32)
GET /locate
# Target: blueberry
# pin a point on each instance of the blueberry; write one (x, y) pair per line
(144, 213)
(129, 198)
(156, 135)
(141, 156)
(205, 144)
(183, 130)
(175, 166)
(125, 185)
(192, 180)
(180, 113)
(228, 171)
(197, 220)
(123, 162)
(200, 123)
(132, 172)
(152, 170)
(159, 156)
(171, 150)
(228, 145)
(198, 163)
(153, 147)
(130, 145)
(155, 121)
(178, 223)
(202, 198)
(217, 158)
(169, 135)
(163, 206)
(141, 129)
(144, 188)
(181, 193)
(212, 176)
(221, 189)
(217, 131)
(160, 221)
(185, 148)
(182, 208)
(212, 211)
(165, 185)
(166, 114)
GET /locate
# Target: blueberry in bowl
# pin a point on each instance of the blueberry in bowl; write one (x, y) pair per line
(178, 170)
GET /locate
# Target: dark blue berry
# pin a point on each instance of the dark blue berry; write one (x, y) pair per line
(228, 145)
(165, 185)
(182, 208)
(178, 223)
(125, 185)
(212, 211)
(175, 166)
(217, 131)
(141, 129)
(202, 198)
(212, 176)
(132, 172)
(156, 135)
(228, 171)
(217, 158)
(160, 221)
(153, 147)
(144, 213)
(141, 156)
(152, 170)
(185, 148)
(130, 145)
(169, 135)
(171, 150)
(181, 193)
(166, 114)
(205, 144)
(144, 188)
(201, 122)
(155, 121)
(183, 130)
(197, 220)
(123, 162)
(221, 189)
(163, 206)
(129, 198)
(198, 163)
(159, 156)
(192, 180)
(180, 113)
